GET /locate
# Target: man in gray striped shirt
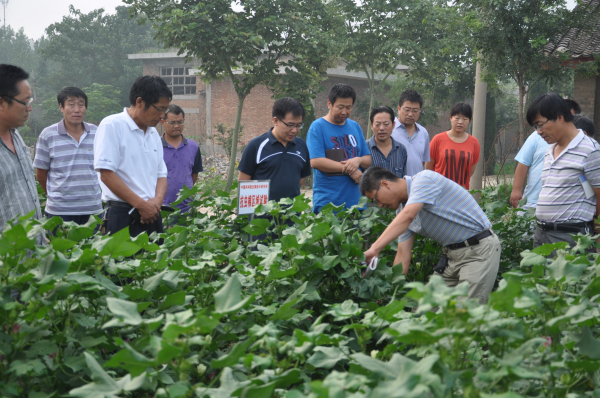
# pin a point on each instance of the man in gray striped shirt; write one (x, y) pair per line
(568, 202)
(18, 193)
(64, 161)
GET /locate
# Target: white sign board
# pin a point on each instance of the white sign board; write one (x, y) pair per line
(252, 193)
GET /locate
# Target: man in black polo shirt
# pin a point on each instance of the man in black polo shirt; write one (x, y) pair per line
(279, 155)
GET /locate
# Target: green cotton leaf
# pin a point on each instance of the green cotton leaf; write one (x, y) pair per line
(116, 245)
(255, 391)
(299, 205)
(386, 370)
(546, 249)
(288, 242)
(345, 310)
(152, 283)
(501, 395)
(320, 230)
(51, 268)
(326, 357)
(531, 259)
(229, 298)
(571, 312)
(233, 357)
(130, 360)
(257, 226)
(125, 310)
(15, 240)
(391, 309)
(276, 273)
(285, 312)
(52, 223)
(61, 244)
(23, 368)
(103, 385)
(583, 242)
(588, 345)
(41, 347)
(561, 268)
(179, 389)
(173, 299)
(328, 262)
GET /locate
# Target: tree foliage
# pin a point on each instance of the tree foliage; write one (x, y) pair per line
(90, 48)
(511, 35)
(250, 42)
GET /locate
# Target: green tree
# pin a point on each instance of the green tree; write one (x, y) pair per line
(251, 42)
(103, 100)
(381, 35)
(511, 36)
(90, 48)
(17, 49)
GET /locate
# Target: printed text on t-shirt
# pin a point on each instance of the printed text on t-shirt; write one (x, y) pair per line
(348, 143)
(458, 171)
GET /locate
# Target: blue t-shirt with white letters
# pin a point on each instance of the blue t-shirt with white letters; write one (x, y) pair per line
(323, 135)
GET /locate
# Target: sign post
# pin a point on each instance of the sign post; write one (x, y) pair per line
(252, 193)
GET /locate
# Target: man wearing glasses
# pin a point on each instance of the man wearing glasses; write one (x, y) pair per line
(440, 209)
(279, 154)
(568, 201)
(182, 157)
(411, 134)
(128, 156)
(18, 192)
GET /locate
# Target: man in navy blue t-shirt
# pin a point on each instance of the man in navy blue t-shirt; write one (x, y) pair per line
(337, 131)
(279, 155)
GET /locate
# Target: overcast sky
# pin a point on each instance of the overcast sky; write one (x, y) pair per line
(36, 15)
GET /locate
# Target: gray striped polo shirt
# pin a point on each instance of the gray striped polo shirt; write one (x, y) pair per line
(562, 198)
(18, 191)
(73, 187)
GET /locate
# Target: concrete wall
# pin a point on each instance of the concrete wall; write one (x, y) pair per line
(586, 91)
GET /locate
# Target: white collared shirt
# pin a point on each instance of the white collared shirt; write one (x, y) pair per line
(417, 146)
(136, 157)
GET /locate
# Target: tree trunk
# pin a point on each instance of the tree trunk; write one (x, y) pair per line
(234, 140)
(371, 100)
(521, 115)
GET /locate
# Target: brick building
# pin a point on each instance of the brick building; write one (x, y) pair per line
(583, 48)
(207, 105)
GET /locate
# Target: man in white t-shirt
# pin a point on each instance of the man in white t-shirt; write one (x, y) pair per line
(128, 157)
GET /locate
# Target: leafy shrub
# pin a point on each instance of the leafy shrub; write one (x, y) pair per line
(211, 313)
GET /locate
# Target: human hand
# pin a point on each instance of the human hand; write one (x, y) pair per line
(356, 176)
(149, 211)
(515, 196)
(350, 165)
(370, 254)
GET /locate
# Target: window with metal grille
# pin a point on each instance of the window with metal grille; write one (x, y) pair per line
(179, 80)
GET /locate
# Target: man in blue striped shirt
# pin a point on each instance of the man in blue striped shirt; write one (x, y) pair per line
(440, 209)
(568, 202)
(385, 151)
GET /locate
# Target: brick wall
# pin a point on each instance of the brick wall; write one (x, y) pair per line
(586, 91)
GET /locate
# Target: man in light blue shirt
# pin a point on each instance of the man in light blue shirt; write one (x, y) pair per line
(411, 134)
(530, 163)
(440, 209)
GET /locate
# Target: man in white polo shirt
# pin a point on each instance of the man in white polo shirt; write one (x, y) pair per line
(568, 201)
(128, 156)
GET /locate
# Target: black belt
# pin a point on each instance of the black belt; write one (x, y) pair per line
(472, 241)
(116, 203)
(565, 226)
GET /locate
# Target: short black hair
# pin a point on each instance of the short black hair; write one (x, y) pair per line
(150, 89)
(286, 105)
(71, 92)
(584, 123)
(175, 110)
(410, 96)
(382, 109)
(10, 76)
(573, 105)
(462, 108)
(341, 90)
(372, 178)
(550, 106)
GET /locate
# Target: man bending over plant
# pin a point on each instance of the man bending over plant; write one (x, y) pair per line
(437, 208)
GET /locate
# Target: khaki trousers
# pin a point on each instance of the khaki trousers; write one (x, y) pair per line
(477, 265)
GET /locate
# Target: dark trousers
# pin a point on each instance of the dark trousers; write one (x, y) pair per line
(78, 219)
(118, 218)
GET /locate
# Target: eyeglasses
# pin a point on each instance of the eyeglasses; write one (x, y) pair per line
(161, 110)
(292, 125)
(27, 104)
(539, 126)
(408, 110)
(374, 200)
(176, 122)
